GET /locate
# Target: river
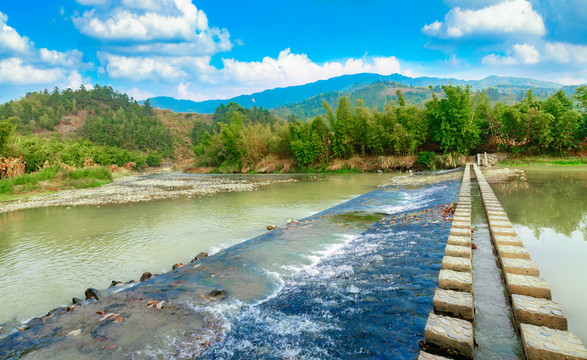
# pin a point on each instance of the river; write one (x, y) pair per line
(328, 287)
(49, 255)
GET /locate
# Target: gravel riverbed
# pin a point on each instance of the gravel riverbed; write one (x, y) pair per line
(138, 188)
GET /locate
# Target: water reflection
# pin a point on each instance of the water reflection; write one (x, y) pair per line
(550, 198)
(549, 213)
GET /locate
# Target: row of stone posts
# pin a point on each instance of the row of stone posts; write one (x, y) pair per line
(449, 329)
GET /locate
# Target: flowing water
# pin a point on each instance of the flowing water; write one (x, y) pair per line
(549, 213)
(49, 255)
(494, 329)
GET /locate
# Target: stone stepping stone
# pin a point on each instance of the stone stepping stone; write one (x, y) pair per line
(507, 240)
(461, 224)
(540, 342)
(459, 240)
(520, 266)
(516, 252)
(451, 335)
(458, 251)
(460, 232)
(502, 230)
(462, 218)
(456, 263)
(500, 223)
(498, 217)
(455, 280)
(527, 285)
(539, 312)
(458, 304)
(426, 356)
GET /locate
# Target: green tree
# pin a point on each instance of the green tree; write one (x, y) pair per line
(452, 120)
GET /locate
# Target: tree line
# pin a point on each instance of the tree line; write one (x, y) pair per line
(458, 121)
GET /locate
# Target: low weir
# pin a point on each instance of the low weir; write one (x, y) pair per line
(540, 322)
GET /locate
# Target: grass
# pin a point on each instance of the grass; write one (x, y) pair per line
(543, 160)
(52, 179)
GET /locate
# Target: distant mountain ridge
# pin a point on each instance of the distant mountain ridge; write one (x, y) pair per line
(279, 97)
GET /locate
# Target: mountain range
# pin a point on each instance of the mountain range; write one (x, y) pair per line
(286, 96)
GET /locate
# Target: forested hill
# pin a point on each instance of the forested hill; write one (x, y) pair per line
(279, 97)
(378, 94)
(71, 126)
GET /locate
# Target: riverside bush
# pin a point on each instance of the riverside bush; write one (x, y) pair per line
(426, 159)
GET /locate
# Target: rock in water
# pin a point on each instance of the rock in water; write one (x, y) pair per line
(271, 227)
(116, 283)
(217, 294)
(289, 221)
(76, 301)
(92, 293)
(200, 256)
(146, 276)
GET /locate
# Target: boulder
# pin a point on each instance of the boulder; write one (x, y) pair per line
(57, 311)
(271, 227)
(146, 276)
(200, 256)
(217, 294)
(289, 221)
(116, 283)
(76, 301)
(92, 293)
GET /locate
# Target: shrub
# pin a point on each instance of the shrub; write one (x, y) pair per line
(426, 159)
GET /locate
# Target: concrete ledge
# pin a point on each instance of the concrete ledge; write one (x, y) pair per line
(454, 303)
(462, 218)
(461, 224)
(426, 356)
(459, 240)
(500, 223)
(458, 251)
(453, 336)
(539, 312)
(455, 280)
(520, 266)
(456, 263)
(502, 231)
(507, 240)
(516, 252)
(542, 343)
(527, 285)
(460, 232)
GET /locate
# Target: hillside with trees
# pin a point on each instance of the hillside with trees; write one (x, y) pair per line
(454, 122)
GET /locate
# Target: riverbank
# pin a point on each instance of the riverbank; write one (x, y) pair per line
(138, 188)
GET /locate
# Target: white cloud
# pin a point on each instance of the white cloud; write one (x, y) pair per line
(10, 41)
(566, 53)
(143, 68)
(154, 21)
(510, 17)
(69, 59)
(295, 69)
(13, 71)
(519, 54)
(139, 94)
(183, 92)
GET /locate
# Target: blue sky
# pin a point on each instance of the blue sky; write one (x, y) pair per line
(218, 49)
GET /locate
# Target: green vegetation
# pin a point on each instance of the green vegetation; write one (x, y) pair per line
(54, 178)
(456, 122)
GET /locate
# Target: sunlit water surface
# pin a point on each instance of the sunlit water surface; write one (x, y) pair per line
(49, 255)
